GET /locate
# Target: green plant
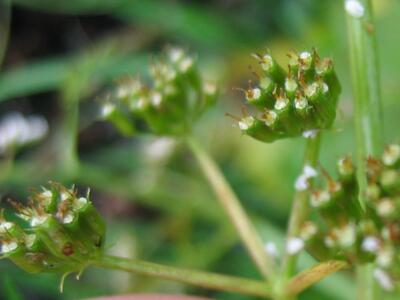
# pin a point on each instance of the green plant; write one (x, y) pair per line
(358, 227)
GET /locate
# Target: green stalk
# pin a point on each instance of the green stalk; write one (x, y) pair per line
(300, 209)
(197, 278)
(235, 211)
(368, 111)
(313, 275)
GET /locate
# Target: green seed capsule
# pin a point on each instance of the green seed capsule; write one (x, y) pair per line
(91, 221)
(387, 209)
(271, 68)
(257, 129)
(302, 110)
(346, 170)
(57, 240)
(324, 69)
(118, 118)
(291, 87)
(307, 60)
(390, 181)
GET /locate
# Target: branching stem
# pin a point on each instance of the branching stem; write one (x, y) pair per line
(234, 210)
(197, 278)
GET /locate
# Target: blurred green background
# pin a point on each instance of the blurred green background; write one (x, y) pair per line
(62, 54)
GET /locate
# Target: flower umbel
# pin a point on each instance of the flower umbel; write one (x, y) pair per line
(177, 96)
(358, 235)
(302, 100)
(62, 232)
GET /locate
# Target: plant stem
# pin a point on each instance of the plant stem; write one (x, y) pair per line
(368, 111)
(235, 211)
(197, 278)
(300, 208)
(312, 275)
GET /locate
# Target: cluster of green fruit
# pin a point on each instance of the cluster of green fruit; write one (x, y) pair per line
(292, 103)
(61, 232)
(355, 232)
(177, 97)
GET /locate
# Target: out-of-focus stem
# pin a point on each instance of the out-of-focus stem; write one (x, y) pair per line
(197, 278)
(367, 105)
(5, 19)
(313, 275)
(234, 209)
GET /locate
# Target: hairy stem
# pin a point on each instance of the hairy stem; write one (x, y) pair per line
(368, 111)
(235, 211)
(313, 275)
(300, 208)
(197, 278)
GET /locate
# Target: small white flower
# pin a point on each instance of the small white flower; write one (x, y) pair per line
(290, 85)
(107, 109)
(210, 88)
(267, 62)
(38, 220)
(354, 8)
(246, 123)
(305, 55)
(156, 99)
(370, 244)
(300, 103)
(281, 103)
(8, 247)
(159, 149)
(16, 130)
(271, 249)
(325, 88)
(310, 134)
(176, 54)
(294, 245)
(256, 93)
(385, 257)
(270, 117)
(186, 64)
(384, 279)
(301, 183)
(6, 226)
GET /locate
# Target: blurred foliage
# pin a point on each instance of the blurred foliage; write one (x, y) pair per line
(153, 195)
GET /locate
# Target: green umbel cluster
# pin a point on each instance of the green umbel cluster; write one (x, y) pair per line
(177, 96)
(359, 235)
(292, 103)
(61, 232)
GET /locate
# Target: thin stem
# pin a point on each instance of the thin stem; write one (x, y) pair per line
(368, 111)
(197, 278)
(300, 207)
(235, 211)
(313, 275)
(366, 89)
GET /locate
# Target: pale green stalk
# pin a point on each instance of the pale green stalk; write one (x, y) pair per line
(202, 279)
(313, 275)
(234, 210)
(367, 106)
